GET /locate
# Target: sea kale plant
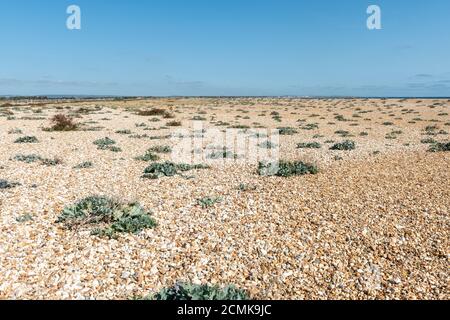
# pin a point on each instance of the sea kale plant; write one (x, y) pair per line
(184, 291)
(111, 215)
(169, 169)
(286, 168)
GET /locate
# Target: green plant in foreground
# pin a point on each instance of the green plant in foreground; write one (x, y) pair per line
(148, 156)
(347, 145)
(183, 291)
(208, 201)
(27, 139)
(119, 217)
(169, 169)
(286, 168)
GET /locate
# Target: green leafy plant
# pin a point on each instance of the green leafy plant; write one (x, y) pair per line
(183, 291)
(311, 145)
(169, 169)
(51, 162)
(27, 158)
(148, 156)
(287, 131)
(161, 149)
(286, 168)
(347, 145)
(25, 218)
(126, 131)
(267, 145)
(84, 165)
(440, 147)
(27, 139)
(4, 184)
(107, 144)
(207, 202)
(118, 216)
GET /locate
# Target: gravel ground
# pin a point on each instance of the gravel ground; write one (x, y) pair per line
(373, 224)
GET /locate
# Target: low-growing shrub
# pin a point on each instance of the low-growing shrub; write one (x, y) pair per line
(51, 162)
(267, 145)
(428, 141)
(25, 218)
(148, 156)
(347, 145)
(84, 165)
(286, 168)
(4, 184)
(123, 131)
(183, 291)
(161, 149)
(27, 158)
(311, 145)
(152, 112)
(173, 124)
(118, 217)
(27, 139)
(246, 187)
(15, 131)
(440, 147)
(61, 122)
(287, 131)
(107, 144)
(169, 169)
(208, 201)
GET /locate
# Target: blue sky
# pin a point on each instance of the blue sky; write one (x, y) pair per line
(232, 47)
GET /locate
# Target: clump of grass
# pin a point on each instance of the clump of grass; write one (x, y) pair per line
(286, 168)
(84, 165)
(118, 217)
(169, 169)
(440, 147)
(27, 139)
(61, 122)
(347, 145)
(183, 291)
(311, 145)
(4, 184)
(208, 201)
